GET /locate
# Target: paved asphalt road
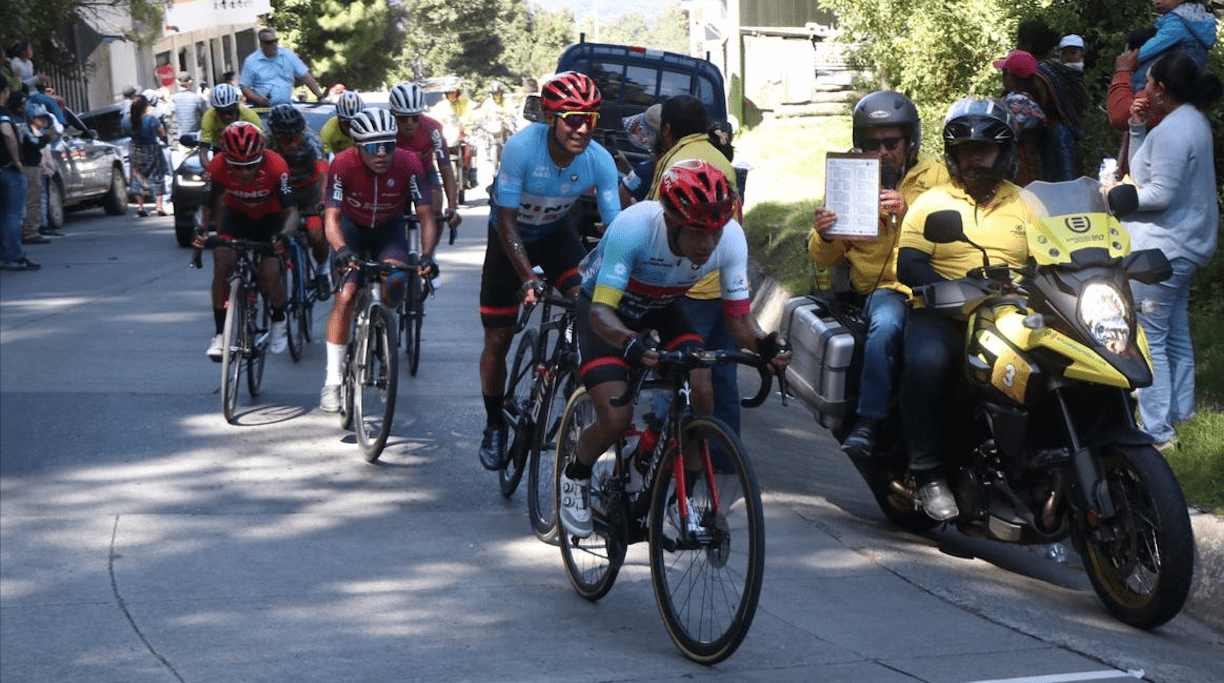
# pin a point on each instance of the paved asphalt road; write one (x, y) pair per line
(144, 539)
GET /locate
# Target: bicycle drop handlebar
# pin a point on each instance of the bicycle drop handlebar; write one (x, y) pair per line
(692, 359)
(263, 248)
(569, 303)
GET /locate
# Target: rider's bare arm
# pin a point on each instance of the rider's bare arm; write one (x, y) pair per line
(512, 243)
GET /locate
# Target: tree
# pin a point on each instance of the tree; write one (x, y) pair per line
(534, 38)
(343, 41)
(443, 37)
(668, 31)
(40, 22)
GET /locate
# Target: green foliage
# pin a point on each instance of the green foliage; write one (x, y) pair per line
(668, 31)
(777, 235)
(1198, 461)
(343, 41)
(534, 39)
(41, 22)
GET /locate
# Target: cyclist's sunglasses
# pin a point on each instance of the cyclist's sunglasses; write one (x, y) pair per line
(576, 119)
(242, 167)
(376, 148)
(410, 118)
(293, 139)
(228, 112)
(890, 144)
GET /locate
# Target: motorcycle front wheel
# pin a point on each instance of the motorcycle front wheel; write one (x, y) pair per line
(1141, 561)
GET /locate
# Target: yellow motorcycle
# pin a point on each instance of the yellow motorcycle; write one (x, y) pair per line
(1052, 354)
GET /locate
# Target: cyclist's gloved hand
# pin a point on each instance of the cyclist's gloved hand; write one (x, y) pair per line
(641, 347)
(428, 267)
(280, 243)
(346, 258)
(774, 349)
(536, 287)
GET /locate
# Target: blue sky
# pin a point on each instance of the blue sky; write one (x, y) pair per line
(607, 8)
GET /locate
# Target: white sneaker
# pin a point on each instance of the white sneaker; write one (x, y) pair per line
(214, 349)
(329, 398)
(280, 336)
(576, 506)
(693, 525)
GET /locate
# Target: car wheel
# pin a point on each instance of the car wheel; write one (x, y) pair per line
(55, 205)
(115, 203)
(184, 228)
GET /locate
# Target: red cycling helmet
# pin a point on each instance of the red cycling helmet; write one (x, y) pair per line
(570, 91)
(694, 193)
(242, 143)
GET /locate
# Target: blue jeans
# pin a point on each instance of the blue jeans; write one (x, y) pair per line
(1163, 311)
(706, 317)
(886, 310)
(12, 213)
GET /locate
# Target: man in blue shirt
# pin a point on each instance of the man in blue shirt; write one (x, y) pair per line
(269, 74)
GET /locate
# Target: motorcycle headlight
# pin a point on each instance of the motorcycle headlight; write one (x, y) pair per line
(1104, 311)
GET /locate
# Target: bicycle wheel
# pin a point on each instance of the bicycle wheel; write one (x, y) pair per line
(707, 583)
(347, 382)
(591, 563)
(259, 325)
(516, 411)
(232, 352)
(542, 476)
(410, 321)
(295, 309)
(376, 374)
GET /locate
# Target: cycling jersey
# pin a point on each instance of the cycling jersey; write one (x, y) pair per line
(634, 270)
(267, 194)
(426, 143)
(212, 125)
(371, 200)
(531, 182)
(334, 140)
(306, 162)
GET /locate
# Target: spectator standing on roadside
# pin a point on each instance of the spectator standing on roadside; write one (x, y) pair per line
(12, 189)
(1020, 94)
(1071, 52)
(21, 61)
(269, 74)
(1121, 95)
(148, 164)
(1183, 25)
(31, 138)
(189, 106)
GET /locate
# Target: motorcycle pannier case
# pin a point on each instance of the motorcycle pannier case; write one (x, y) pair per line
(823, 350)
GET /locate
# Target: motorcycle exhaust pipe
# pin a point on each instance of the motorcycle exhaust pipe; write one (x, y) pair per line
(1047, 511)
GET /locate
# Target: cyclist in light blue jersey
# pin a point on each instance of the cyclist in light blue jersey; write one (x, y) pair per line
(545, 169)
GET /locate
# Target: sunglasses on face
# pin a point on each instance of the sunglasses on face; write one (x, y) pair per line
(409, 118)
(243, 167)
(376, 148)
(268, 42)
(890, 144)
(289, 139)
(228, 112)
(577, 119)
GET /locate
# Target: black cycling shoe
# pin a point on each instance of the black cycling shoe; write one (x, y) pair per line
(861, 441)
(492, 446)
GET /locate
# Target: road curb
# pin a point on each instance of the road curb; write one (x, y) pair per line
(1206, 601)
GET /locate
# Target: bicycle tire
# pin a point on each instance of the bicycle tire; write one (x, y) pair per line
(410, 321)
(347, 381)
(591, 563)
(516, 411)
(707, 587)
(541, 472)
(377, 377)
(295, 308)
(232, 351)
(259, 326)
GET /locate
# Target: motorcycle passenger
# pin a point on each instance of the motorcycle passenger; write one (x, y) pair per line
(301, 148)
(885, 122)
(980, 151)
(369, 186)
(422, 135)
(226, 108)
(335, 133)
(455, 110)
(545, 168)
(250, 186)
(650, 255)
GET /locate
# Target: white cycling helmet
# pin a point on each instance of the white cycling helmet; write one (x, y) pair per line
(407, 99)
(224, 95)
(350, 103)
(373, 125)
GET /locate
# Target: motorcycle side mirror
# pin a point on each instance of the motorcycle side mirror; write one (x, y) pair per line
(1148, 266)
(944, 227)
(531, 109)
(1123, 199)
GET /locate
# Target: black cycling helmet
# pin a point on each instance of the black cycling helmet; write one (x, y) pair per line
(888, 108)
(285, 119)
(981, 120)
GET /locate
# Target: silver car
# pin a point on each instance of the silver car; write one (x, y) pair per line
(88, 172)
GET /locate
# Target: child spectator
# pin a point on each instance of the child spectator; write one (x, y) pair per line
(1186, 25)
(1071, 52)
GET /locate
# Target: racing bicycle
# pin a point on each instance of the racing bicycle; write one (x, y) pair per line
(702, 519)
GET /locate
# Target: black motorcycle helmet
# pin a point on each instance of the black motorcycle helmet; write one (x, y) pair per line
(889, 108)
(285, 119)
(986, 120)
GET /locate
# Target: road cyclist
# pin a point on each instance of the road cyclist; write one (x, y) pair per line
(335, 134)
(369, 186)
(701, 507)
(545, 168)
(289, 136)
(249, 186)
(225, 107)
(421, 134)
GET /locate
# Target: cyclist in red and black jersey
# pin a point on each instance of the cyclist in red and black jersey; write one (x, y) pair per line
(250, 186)
(303, 151)
(369, 186)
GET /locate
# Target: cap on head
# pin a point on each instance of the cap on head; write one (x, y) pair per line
(1018, 63)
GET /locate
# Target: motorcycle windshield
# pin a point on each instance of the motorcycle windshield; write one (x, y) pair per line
(1072, 216)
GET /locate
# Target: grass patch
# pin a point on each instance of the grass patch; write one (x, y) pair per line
(785, 186)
